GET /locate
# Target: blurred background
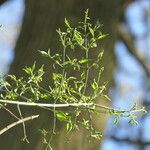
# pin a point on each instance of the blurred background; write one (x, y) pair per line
(30, 25)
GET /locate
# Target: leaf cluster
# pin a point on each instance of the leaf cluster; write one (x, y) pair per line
(75, 89)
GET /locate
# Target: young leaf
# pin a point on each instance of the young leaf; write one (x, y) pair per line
(69, 126)
(116, 120)
(102, 36)
(43, 53)
(94, 85)
(105, 96)
(133, 121)
(61, 116)
(67, 23)
(91, 31)
(83, 61)
(78, 37)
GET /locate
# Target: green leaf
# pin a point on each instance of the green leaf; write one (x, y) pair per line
(133, 121)
(43, 53)
(105, 96)
(56, 76)
(94, 85)
(102, 36)
(43, 132)
(78, 37)
(71, 78)
(134, 106)
(100, 55)
(91, 31)
(93, 45)
(116, 120)
(61, 116)
(33, 66)
(69, 126)
(83, 75)
(27, 70)
(67, 23)
(83, 61)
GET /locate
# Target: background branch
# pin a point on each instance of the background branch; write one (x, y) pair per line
(126, 38)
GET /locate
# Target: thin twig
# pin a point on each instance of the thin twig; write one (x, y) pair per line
(23, 125)
(10, 112)
(17, 122)
(118, 110)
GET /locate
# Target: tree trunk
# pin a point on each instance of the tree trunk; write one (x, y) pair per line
(2, 1)
(41, 20)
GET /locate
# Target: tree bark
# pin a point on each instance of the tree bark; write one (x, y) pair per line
(41, 20)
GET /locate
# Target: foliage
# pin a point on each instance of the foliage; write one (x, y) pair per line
(72, 95)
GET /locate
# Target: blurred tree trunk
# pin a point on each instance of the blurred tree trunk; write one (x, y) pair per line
(41, 20)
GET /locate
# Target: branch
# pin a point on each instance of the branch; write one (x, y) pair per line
(18, 122)
(70, 104)
(45, 105)
(126, 38)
